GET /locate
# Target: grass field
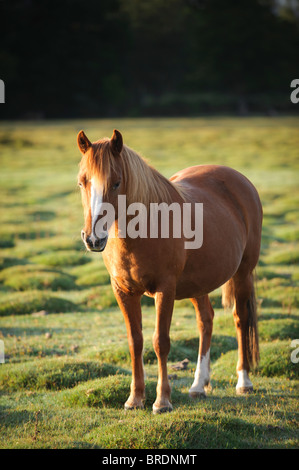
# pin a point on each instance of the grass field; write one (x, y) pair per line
(67, 370)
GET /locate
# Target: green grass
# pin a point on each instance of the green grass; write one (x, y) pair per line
(33, 301)
(67, 370)
(30, 277)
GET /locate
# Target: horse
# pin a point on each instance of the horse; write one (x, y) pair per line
(163, 268)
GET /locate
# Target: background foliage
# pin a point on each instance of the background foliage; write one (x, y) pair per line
(159, 57)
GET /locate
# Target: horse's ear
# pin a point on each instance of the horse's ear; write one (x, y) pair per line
(83, 142)
(116, 141)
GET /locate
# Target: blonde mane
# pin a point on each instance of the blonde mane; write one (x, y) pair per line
(143, 183)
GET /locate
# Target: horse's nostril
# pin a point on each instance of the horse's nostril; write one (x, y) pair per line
(93, 243)
(97, 242)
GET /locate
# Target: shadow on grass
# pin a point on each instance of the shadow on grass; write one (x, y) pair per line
(13, 419)
(277, 316)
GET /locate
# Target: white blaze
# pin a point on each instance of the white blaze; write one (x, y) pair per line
(96, 201)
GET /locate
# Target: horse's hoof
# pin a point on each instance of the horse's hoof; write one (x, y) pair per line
(137, 406)
(162, 409)
(197, 395)
(244, 390)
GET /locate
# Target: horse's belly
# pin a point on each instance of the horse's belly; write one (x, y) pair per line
(206, 271)
(188, 290)
(190, 287)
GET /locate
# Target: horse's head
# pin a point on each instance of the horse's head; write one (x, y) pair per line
(100, 180)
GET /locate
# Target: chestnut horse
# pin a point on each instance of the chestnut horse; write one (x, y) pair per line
(164, 268)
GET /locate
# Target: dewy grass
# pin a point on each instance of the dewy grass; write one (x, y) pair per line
(40, 280)
(67, 373)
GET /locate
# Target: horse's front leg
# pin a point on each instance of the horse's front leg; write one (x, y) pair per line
(164, 306)
(131, 309)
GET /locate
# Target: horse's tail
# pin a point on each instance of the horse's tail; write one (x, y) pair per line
(228, 301)
(253, 337)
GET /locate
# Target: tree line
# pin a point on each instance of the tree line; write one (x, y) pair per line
(103, 58)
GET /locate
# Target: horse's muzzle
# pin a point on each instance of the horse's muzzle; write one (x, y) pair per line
(93, 243)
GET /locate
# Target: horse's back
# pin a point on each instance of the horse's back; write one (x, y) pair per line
(201, 178)
(217, 184)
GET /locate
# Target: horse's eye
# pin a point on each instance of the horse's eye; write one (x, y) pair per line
(116, 185)
(82, 182)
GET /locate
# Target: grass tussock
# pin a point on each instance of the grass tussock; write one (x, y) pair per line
(32, 277)
(104, 393)
(53, 374)
(22, 303)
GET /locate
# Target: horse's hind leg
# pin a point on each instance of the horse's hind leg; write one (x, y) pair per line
(245, 318)
(204, 316)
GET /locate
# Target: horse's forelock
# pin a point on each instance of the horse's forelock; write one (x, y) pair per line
(99, 162)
